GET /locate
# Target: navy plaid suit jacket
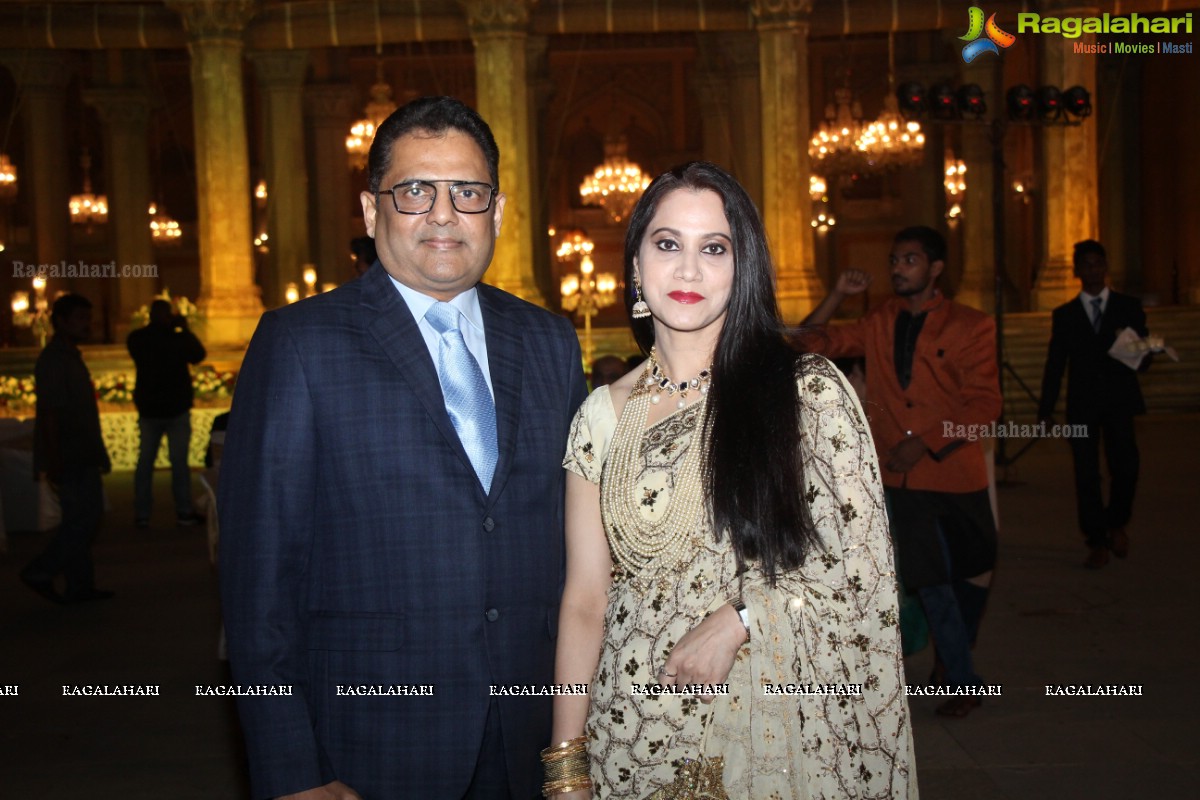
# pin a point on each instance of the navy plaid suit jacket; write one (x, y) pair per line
(358, 548)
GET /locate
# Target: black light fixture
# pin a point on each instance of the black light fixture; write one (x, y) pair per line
(1020, 103)
(1077, 102)
(911, 99)
(971, 104)
(1049, 102)
(941, 101)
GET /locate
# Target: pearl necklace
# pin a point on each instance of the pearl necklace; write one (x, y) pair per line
(658, 380)
(635, 541)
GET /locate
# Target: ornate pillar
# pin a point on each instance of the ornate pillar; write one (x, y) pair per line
(330, 113)
(1069, 166)
(710, 86)
(499, 30)
(783, 78)
(541, 90)
(745, 115)
(977, 286)
(41, 77)
(280, 76)
(229, 298)
(126, 115)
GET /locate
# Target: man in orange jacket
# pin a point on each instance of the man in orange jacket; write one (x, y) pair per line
(932, 386)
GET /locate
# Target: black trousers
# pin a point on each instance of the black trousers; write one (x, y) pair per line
(81, 498)
(1120, 451)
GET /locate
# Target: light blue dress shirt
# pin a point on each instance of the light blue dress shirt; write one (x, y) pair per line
(472, 331)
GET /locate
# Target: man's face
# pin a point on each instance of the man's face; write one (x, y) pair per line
(912, 272)
(76, 326)
(1091, 269)
(444, 252)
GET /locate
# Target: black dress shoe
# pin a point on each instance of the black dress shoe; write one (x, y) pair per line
(1097, 558)
(88, 596)
(958, 706)
(1120, 542)
(43, 586)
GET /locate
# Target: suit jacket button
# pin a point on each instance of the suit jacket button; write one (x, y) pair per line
(492, 614)
(488, 524)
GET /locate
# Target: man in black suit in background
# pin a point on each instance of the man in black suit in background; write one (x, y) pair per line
(1102, 394)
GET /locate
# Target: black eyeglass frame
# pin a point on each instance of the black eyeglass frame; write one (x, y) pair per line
(433, 185)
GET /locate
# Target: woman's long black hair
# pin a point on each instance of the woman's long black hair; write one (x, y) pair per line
(755, 473)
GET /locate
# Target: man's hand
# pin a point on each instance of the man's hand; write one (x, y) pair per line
(706, 653)
(851, 282)
(330, 791)
(905, 455)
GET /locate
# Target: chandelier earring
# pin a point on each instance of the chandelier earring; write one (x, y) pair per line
(640, 309)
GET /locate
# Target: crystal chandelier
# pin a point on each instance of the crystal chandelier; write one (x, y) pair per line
(87, 208)
(163, 229)
(380, 107)
(890, 141)
(844, 143)
(8, 178)
(835, 147)
(617, 184)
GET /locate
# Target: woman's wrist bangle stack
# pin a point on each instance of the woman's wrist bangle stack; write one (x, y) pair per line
(566, 766)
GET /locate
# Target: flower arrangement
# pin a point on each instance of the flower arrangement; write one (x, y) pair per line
(17, 393)
(208, 384)
(115, 387)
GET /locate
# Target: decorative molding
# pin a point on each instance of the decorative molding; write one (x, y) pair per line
(214, 19)
(120, 106)
(280, 69)
(497, 16)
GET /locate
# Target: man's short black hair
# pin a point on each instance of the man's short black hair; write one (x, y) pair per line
(434, 116)
(66, 305)
(932, 243)
(1089, 247)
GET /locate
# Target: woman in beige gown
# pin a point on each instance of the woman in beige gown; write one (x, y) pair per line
(725, 526)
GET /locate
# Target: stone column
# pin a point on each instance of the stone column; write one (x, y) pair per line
(330, 109)
(229, 299)
(1069, 168)
(783, 44)
(280, 75)
(977, 286)
(710, 86)
(126, 115)
(41, 77)
(499, 30)
(745, 114)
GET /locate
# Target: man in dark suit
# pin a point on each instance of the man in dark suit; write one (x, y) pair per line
(1102, 394)
(392, 499)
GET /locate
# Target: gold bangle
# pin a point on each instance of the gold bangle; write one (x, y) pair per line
(563, 748)
(562, 787)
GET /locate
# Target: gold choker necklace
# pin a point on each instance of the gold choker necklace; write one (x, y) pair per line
(659, 382)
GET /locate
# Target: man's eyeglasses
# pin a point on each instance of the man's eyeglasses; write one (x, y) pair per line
(417, 197)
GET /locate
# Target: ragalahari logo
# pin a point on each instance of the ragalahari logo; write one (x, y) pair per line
(995, 41)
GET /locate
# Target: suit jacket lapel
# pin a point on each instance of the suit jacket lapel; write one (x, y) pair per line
(394, 329)
(505, 358)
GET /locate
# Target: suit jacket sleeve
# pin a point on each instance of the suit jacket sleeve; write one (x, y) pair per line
(978, 401)
(267, 486)
(1056, 364)
(839, 341)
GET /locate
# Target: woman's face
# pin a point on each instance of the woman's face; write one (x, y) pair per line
(685, 262)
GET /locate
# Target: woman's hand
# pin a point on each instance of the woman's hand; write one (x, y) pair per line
(706, 653)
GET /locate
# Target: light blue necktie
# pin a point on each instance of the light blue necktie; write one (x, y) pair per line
(1096, 313)
(468, 401)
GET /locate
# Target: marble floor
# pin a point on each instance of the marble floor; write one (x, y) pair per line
(1049, 622)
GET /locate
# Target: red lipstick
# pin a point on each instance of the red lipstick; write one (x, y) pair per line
(687, 298)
